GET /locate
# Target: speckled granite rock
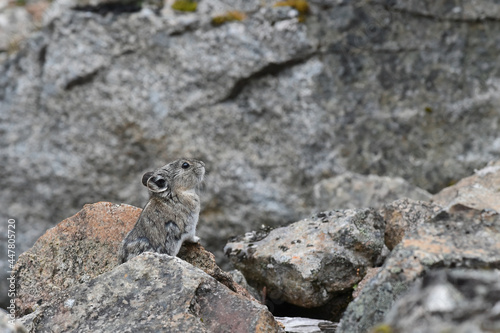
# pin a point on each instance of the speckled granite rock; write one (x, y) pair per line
(469, 239)
(308, 262)
(403, 215)
(152, 293)
(75, 251)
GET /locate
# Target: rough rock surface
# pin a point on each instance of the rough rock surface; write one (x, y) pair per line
(350, 190)
(74, 251)
(271, 104)
(83, 247)
(152, 293)
(403, 215)
(308, 262)
(459, 301)
(480, 191)
(469, 239)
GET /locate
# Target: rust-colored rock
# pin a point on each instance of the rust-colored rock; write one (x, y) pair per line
(74, 251)
(85, 246)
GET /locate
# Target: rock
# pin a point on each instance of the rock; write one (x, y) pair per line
(308, 262)
(479, 191)
(6, 326)
(463, 239)
(200, 258)
(350, 190)
(402, 216)
(370, 273)
(239, 278)
(85, 246)
(152, 292)
(271, 104)
(306, 325)
(75, 251)
(455, 300)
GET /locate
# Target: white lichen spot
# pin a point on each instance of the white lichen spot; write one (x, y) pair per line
(69, 303)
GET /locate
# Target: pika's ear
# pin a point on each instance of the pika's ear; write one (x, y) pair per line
(157, 184)
(146, 177)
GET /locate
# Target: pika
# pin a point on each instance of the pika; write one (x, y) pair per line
(171, 214)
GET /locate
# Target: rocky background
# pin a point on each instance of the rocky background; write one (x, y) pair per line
(294, 109)
(410, 266)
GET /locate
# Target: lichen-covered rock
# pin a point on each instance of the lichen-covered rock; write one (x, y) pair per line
(350, 190)
(479, 191)
(458, 300)
(308, 262)
(469, 239)
(152, 293)
(84, 246)
(402, 215)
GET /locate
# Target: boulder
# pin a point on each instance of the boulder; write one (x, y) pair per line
(152, 293)
(310, 262)
(404, 215)
(479, 191)
(76, 250)
(468, 239)
(456, 300)
(350, 190)
(85, 246)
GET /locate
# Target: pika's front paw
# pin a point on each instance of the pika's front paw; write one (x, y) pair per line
(194, 239)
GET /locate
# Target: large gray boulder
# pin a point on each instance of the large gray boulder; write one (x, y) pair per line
(271, 104)
(151, 293)
(314, 261)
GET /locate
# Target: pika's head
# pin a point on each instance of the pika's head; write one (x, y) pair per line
(180, 175)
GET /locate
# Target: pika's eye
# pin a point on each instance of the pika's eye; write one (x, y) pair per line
(185, 165)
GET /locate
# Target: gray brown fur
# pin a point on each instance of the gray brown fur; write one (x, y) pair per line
(171, 214)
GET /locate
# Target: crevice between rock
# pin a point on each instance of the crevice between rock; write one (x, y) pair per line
(269, 69)
(81, 80)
